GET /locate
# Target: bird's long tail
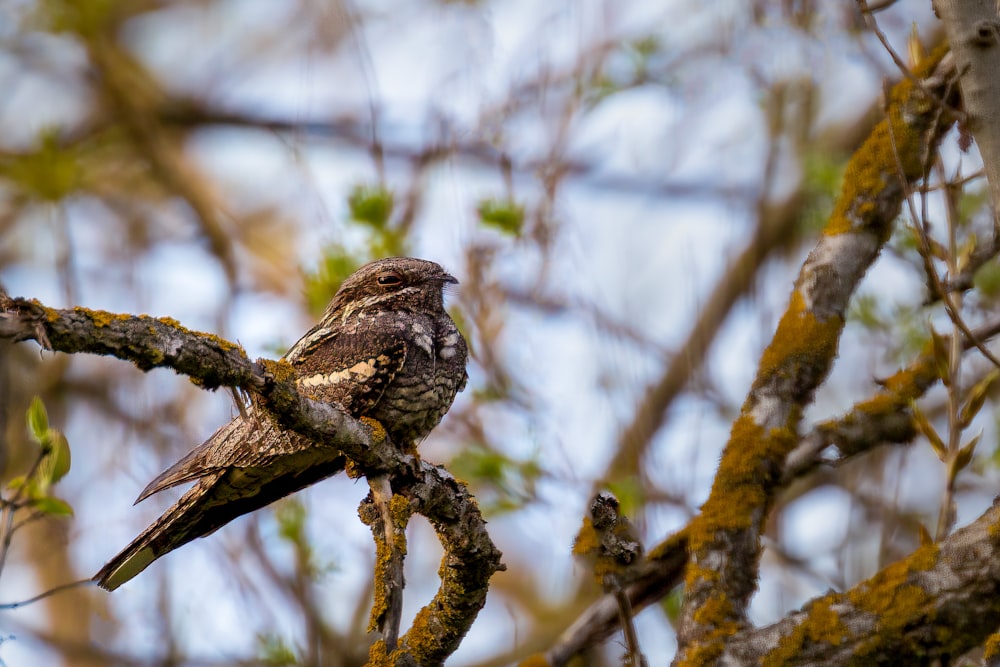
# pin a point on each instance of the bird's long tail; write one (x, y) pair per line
(215, 500)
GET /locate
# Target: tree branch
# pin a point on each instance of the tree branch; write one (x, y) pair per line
(470, 557)
(973, 29)
(935, 604)
(725, 538)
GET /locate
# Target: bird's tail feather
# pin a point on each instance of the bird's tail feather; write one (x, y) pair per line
(214, 501)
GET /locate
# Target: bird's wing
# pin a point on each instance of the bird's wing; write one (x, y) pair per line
(343, 371)
(219, 497)
(245, 441)
(352, 369)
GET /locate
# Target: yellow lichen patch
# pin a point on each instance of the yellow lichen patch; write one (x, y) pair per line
(991, 649)
(908, 381)
(400, 511)
(378, 431)
(822, 625)
(993, 530)
(891, 595)
(587, 540)
(100, 318)
(894, 141)
(377, 654)
(534, 660)
(380, 602)
(716, 615)
(280, 370)
(170, 322)
(800, 338)
(741, 485)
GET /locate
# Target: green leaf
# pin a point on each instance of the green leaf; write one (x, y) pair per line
(291, 517)
(371, 204)
(964, 456)
(987, 279)
(965, 252)
(505, 215)
(321, 284)
(671, 605)
(38, 420)
(942, 364)
(976, 397)
(927, 429)
(56, 461)
(53, 506)
(50, 173)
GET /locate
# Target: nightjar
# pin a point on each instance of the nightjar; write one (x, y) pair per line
(385, 348)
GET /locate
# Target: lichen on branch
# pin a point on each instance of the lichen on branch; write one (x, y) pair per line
(470, 557)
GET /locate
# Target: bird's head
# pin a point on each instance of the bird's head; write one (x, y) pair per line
(393, 283)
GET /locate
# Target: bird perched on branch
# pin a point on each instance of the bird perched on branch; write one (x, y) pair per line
(385, 349)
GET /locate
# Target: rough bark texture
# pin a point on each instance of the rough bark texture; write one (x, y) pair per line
(932, 606)
(973, 29)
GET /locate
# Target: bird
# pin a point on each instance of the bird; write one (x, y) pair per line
(385, 349)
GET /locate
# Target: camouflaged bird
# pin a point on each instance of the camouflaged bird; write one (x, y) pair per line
(385, 348)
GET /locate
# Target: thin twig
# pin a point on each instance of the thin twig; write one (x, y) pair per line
(48, 593)
(869, 18)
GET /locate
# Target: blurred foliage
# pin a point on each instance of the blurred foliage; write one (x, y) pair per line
(50, 172)
(274, 651)
(502, 484)
(505, 215)
(987, 280)
(822, 174)
(370, 210)
(371, 205)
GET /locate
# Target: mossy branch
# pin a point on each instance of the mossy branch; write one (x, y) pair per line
(931, 606)
(470, 557)
(725, 538)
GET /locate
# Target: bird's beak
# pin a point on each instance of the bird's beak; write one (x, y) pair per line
(448, 279)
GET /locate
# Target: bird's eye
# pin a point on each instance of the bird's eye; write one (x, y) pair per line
(389, 279)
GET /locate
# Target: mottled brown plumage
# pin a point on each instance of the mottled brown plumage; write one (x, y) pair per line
(385, 348)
